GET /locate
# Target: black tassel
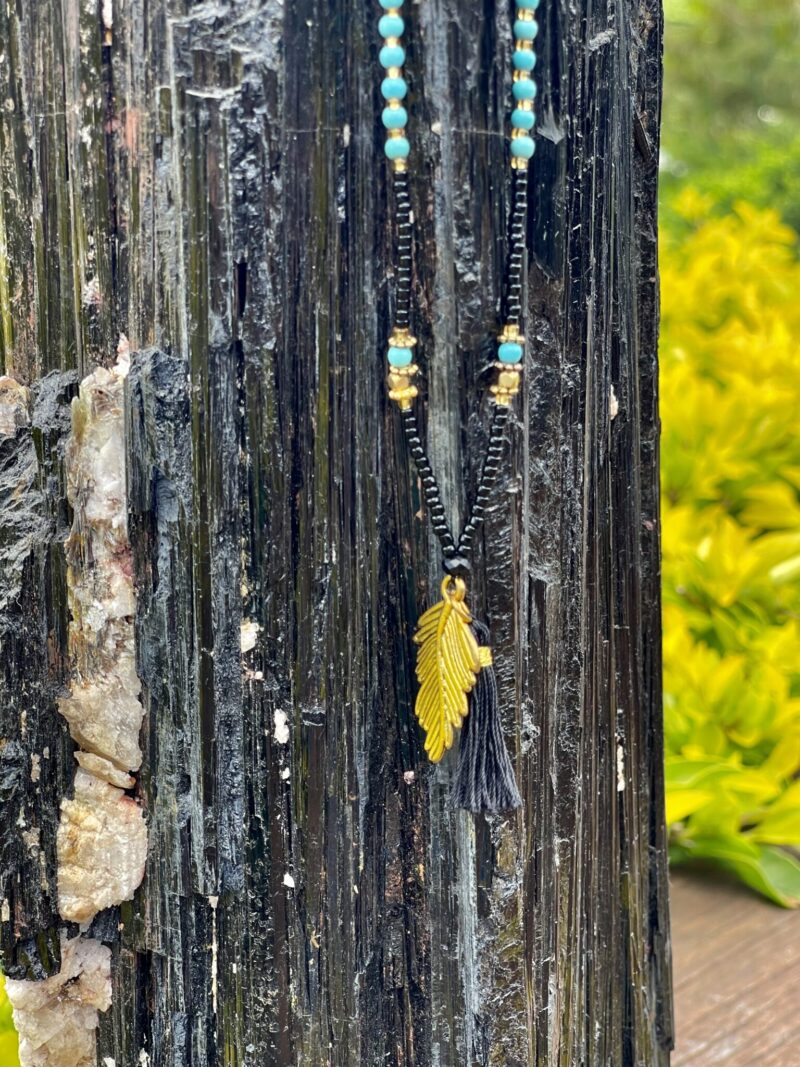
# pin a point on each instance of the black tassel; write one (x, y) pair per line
(485, 780)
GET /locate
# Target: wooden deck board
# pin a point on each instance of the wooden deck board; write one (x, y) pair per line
(737, 976)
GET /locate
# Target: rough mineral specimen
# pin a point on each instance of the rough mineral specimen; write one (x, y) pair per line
(57, 1018)
(102, 838)
(103, 708)
(104, 712)
(102, 847)
(105, 769)
(13, 406)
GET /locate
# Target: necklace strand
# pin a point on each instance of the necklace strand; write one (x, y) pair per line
(509, 363)
(457, 684)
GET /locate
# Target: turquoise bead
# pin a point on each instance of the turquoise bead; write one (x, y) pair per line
(392, 55)
(524, 90)
(393, 88)
(399, 357)
(397, 148)
(390, 26)
(395, 118)
(387, 4)
(523, 120)
(524, 60)
(522, 147)
(509, 352)
(528, 5)
(525, 29)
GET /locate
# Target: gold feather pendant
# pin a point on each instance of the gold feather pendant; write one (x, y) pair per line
(448, 664)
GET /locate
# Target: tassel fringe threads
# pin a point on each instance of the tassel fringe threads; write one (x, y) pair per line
(485, 780)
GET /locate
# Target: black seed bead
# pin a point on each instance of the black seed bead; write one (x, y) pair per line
(429, 485)
(514, 282)
(403, 263)
(456, 565)
(489, 474)
(517, 250)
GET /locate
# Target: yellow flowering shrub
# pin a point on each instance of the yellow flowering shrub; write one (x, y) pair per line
(730, 404)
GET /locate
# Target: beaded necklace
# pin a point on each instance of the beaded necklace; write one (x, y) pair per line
(457, 684)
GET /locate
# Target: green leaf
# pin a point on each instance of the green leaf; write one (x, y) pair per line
(782, 828)
(770, 871)
(784, 759)
(719, 774)
(780, 823)
(788, 571)
(692, 773)
(720, 818)
(683, 802)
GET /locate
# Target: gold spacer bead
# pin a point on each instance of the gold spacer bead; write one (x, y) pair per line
(404, 396)
(399, 165)
(394, 134)
(506, 388)
(524, 46)
(508, 379)
(406, 372)
(391, 41)
(510, 332)
(522, 75)
(401, 338)
(400, 377)
(519, 163)
(525, 105)
(508, 366)
(394, 72)
(524, 14)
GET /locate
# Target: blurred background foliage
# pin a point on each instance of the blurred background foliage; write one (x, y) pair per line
(730, 213)
(730, 405)
(731, 111)
(8, 1037)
